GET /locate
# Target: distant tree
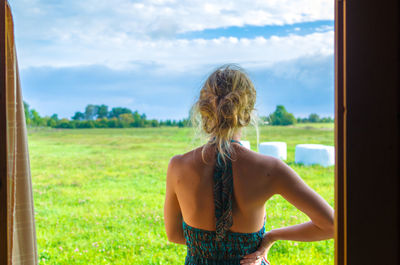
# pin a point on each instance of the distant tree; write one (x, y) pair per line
(154, 123)
(139, 120)
(313, 117)
(65, 124)
(326, 119)
(52, 122)
(126, 119)
(113, 123)
(102, 111)
(35, 118)
(54, 117)
(79, 116)
(85, 124)
(186, 122)
(90, 112)
(26, 111)
(115, 112)
(101, 123)
(281, 117)
(90, 124)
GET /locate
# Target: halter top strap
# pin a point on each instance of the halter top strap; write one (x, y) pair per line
(235, 141)
(223, 195)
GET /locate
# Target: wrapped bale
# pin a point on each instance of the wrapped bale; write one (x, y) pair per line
(275, 149)
(310, 154)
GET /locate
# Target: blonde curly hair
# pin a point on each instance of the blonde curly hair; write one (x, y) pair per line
(226, 103)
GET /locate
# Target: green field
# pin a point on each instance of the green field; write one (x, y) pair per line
(99, 194)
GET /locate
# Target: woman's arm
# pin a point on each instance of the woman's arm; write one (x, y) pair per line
(290, 186)
(172, 210)
(307, 231)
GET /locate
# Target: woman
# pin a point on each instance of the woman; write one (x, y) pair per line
(216, 194)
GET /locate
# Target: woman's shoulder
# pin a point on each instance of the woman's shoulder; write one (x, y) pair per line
(255, 159)
(185, 158)
(186, 165)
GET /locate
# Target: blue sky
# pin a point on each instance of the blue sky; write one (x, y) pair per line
(153, 55)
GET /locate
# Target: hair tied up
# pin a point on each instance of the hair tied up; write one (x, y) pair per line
(225, 104)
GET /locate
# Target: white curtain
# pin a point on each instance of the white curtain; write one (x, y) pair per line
(21, 222)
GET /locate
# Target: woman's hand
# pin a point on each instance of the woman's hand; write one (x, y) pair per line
(261, 253)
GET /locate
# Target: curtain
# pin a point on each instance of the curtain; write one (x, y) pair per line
(21, 222)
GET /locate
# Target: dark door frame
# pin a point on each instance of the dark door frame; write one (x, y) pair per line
(340, 139)
(367, 126)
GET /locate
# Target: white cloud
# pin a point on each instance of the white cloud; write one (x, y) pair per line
(120, 32)
(324, 28)
(178, 54)
(165, 18)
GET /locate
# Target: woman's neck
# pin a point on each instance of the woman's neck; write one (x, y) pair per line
(237, 135)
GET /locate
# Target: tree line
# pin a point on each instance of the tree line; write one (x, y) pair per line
(282, 117)
(99, 116)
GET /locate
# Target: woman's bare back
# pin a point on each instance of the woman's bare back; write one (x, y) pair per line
(252, 186)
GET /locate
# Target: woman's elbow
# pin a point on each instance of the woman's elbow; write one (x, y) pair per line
(329, 227)
(175, 238)
(171, 238)
(331, 230)
(326, 226)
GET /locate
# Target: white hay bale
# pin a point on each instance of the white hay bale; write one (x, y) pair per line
(309, 154)
(246, 144)
(275, 149)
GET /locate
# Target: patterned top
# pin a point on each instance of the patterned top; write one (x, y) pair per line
(222, 246)
(204, 249)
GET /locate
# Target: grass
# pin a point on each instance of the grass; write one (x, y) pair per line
(99, 194)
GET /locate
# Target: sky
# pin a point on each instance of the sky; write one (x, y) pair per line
(154, 55)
